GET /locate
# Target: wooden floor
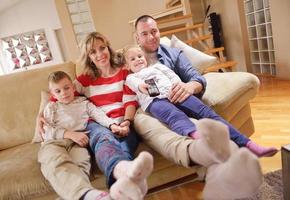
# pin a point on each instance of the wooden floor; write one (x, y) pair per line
(271, 115)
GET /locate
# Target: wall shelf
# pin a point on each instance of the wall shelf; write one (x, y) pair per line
(81, 18)
(260, 36)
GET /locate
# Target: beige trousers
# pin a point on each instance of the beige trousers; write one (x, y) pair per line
(166, 142)
(66, 166)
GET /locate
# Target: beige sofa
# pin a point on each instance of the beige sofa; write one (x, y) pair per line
(20, 176)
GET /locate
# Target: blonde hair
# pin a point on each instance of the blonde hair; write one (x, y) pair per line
(89, 68)
(127, 48)
(56, 76)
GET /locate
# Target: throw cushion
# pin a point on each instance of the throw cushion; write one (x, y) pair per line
(165, 41)
(43, 102)
(198, 59)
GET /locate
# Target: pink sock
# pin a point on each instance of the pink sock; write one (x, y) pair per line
(97, 195)
(261, 151)
(194, 135)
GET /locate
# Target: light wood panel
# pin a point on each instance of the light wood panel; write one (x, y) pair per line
(271, 114)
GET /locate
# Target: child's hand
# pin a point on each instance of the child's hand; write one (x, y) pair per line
(143, 87)
(115, 128)
(119, 130)
(125, 127)
(79, 137)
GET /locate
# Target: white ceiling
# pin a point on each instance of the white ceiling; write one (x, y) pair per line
(5, 4)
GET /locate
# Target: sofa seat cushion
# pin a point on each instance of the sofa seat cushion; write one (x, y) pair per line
(20, 173)
(229, 92)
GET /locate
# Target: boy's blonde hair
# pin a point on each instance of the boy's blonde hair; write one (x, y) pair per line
(86, 45)
(56, 76)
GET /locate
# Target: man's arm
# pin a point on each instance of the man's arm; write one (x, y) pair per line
(193, 83)
(188, 73)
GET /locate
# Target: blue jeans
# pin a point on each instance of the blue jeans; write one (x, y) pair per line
(110, 150)
(176, 117)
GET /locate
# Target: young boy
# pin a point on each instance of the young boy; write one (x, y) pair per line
(64, 161)
(176, 115)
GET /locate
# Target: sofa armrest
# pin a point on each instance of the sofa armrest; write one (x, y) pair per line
(230, 89)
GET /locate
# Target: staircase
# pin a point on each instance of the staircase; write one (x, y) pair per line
(177, 19)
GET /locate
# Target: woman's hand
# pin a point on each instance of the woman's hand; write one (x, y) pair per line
(41, 123)
(79, 137)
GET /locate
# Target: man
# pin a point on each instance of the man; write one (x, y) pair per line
(148, 37)
(187, 151)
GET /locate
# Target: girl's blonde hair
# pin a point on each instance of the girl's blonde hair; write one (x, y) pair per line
(89, 68)
(128, 48)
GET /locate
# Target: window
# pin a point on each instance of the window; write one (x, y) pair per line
(24, 51)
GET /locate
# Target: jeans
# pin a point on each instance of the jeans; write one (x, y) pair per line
(176, 116)
(109, 150)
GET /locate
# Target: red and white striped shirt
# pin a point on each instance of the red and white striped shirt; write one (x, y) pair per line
(110, 93)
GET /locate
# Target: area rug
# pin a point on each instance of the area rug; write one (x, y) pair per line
(271, 189)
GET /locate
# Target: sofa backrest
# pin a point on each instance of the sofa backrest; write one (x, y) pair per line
(19, 102)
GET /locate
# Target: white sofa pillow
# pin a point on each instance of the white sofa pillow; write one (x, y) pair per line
(198, 59)
(165, 41)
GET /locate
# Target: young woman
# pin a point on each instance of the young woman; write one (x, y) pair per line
(102, 82)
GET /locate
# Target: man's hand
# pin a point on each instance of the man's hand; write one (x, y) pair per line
(181, 91)
(79, 137)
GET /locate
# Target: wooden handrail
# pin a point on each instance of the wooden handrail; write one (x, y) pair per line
(171, 3)
(166, 12)
(216, 67)
(174, 19)
(200, 38)
(214, 50)
(178, 30)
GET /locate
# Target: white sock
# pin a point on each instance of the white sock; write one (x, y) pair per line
(239, 177)
(97, 195)
(125, 189)
(213, 146)
(136, 170)
(143, 187)
(141, 167)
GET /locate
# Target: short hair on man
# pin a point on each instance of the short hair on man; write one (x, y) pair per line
(142, 18)
(56, 76)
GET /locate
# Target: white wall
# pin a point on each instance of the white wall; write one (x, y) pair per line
(231, 28)
(30, 15)
(280, 13)
(111, 17)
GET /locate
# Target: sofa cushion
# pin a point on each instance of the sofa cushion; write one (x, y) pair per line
(20, 172)
(20, 100)
(198, 59)
(44, 99)
(228, 92)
